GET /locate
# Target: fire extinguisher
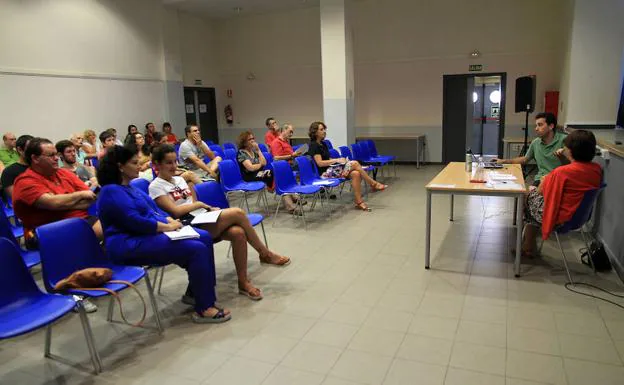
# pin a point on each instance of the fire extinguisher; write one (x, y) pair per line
(229, 115)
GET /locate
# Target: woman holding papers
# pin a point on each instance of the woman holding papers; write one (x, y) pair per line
(134, 232)
(172, 194)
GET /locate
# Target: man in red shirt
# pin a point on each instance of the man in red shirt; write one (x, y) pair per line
(271, 134)
(280, 147)
(46, 193)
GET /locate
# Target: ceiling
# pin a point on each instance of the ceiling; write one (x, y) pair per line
(223, 9)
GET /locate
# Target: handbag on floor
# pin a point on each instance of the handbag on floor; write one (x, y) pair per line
(598, 256)
(92, 279)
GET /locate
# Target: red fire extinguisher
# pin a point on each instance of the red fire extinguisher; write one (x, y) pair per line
(229, 115)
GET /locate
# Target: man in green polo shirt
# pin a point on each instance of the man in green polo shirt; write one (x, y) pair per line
(8, 153)
(546, 149)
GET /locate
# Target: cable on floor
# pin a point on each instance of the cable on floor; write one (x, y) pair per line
(568, 284)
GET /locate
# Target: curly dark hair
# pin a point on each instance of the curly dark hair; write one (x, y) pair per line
(314, 127)
(582, 145)
(243, 138)
(132, 145)
(108, 171)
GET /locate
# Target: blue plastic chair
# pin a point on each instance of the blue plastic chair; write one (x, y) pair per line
(232, 182)
(94, 161)
(346, 153)
(31, 258)
(269, 159)
(60, 261)
(140, 184)
(308, 175)
(285, 184)
(263, 147)
(328, 143)
(177, 150)
(25, 308)
(16, 228)
(296, 147)
(230, 154)
(333, 153)
(217, 150)
(230, 146)
(209, 142)
(579, 219)
(7, 208)
(380, 161)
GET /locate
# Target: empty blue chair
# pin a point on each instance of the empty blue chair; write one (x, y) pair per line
(60, 261)
(346, 153)
(16, 228)
(373, 151)
(230, 154)
(229, 146)
(232, 182)
(269, 159)
(285, 184)
(31, 258)
(380, 161)
(177, 150)
(296, 147)
(25, 308)
(209, 142)
(328, 143)
(333, 153)
(140, 184)
(263, 147)
(308, 175)
(217, 150)
(8, 208)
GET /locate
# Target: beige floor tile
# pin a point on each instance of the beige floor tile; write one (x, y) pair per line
(362, 367)
(585, 372)
(516, 381)
(616, 329)
(532, 319)
(456, 376)
(331, 333)
(289, 325)
(287, 376)
(440, 307)
(485, 313)
(240, 371)
(432, 326)
(584, 325)
(589, 349)
(338, 381)
(533, 340)
(535, 367)
(619, 345)
(376, 341)
(312, 357)
(268, 348)
(478, 358)
(389, 319)
(347, 313)
(405, 372)
(425, 349)
(482, 333)
(403, 302)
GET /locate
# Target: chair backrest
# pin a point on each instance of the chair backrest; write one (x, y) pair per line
(140, 184)
(229, 145)
(94, 161)
(364, 150)
(229, 173)
(328, 143)
(372, 147)
(357, 151)
(283, 176)
(307, 173)
(269, 159)
(212, 194)
(345, 152)
(67, 246)
(583, 212)
(209, 142)
(217, 150)
(230, 154)
(177, 150)
(334, 153)
(5, 229)
(263, 147)
(16, 282)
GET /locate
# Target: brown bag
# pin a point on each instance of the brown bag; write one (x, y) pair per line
(92, 279)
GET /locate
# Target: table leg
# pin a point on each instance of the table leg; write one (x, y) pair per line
(418, 153)
(515, 210)
(519, 228)
(452, 204)
(428, 231)
(507, 154)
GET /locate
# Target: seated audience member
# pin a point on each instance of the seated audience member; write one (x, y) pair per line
(67, 152)
(172, 194)
(8, 152)
(16, 169)
(281, 148)
(546, 149)
(192, 151)
(143, 152)
(561, 191)
(90, 145)
(77, 139)
(107, 139)
(134, 227)
(159, 138)
(171, 137)
(150, 129)
(118, 141)
(271, 133)
(132, 129)
(332, 168)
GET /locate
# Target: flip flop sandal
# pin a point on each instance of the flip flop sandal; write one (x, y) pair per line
(218, 318)
(252, 297)
(284, 261)
(377, 188)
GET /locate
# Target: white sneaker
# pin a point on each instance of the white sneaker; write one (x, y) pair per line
(89, 306)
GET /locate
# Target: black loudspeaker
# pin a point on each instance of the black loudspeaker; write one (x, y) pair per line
(525, 94)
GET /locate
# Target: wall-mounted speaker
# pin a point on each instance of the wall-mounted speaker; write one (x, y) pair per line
(525, 94)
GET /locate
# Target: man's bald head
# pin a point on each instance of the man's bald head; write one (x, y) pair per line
(9, 140)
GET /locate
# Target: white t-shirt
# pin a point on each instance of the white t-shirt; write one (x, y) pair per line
(187, 149)
(179, 191)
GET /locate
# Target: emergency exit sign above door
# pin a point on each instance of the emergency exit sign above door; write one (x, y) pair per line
(475, 67)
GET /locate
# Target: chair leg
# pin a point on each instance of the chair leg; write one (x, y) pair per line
(150, 292)
(48, 341)
(299, 199)
(246, 201)
(229, 250)
(160, 281)
(111, 308)
(565, 261)
(86, 327)
(277, 209)
(266, 243)
(591, 263)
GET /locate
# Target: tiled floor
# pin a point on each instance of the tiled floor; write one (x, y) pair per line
(357, 307)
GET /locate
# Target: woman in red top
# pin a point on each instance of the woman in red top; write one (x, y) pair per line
(171, 137)
(559, 195)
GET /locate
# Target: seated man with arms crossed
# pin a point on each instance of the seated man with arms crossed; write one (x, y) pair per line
(67, 152)
(272, 133)
(546, 149)
(193, 149)
(13, 171)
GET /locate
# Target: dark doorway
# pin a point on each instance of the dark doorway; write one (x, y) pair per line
(473, 115)
(201, 109)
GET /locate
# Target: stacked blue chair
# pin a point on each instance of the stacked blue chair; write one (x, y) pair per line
(346, 153)
(364, 151)
(25, 308)
(31, 258)
(230, 146)
(140, 184)
(263, 147)
(232, 182)
(285, 184)
(60, 261)
(16, 228)
(230, 154)
(370, 149)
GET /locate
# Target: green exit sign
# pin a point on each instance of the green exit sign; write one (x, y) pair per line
(475, 67)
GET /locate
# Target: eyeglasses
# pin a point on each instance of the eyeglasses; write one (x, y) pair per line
(55, 155)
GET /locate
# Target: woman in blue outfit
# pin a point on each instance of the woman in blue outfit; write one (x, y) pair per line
(133, 231)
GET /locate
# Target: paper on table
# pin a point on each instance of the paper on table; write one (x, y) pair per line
(501, 176)
(207, 217)
(186, 232)
(442, 185)
(506, 186)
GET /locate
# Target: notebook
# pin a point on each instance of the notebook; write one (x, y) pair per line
(186, 232)
(206, 217)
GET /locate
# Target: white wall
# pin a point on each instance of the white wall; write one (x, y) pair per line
(68, 65)
(198, 50)
(591, 80)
